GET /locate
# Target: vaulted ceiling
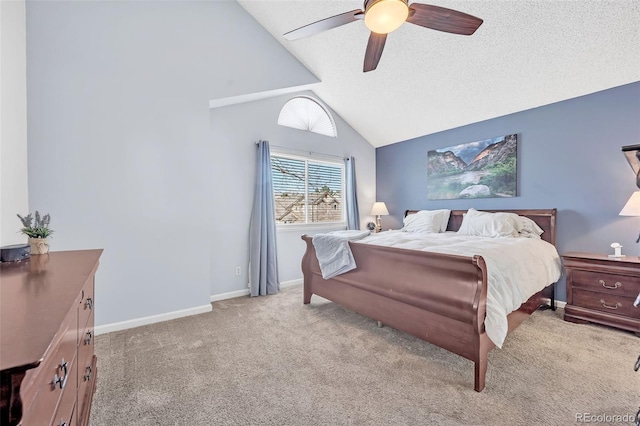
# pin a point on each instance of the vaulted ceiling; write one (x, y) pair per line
(526, 54)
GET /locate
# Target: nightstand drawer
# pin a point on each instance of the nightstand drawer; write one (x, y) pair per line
(613, 284)
(606, 303)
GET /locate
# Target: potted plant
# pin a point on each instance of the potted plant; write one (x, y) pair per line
(37, 231)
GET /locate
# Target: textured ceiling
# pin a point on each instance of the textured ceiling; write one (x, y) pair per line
(525, 54)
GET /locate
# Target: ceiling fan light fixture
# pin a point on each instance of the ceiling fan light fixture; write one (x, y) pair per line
(385, 16)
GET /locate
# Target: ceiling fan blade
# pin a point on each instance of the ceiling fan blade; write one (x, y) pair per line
(374, 51)
(443, 19)
(325, 24)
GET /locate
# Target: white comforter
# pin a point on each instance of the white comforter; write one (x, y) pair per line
(517, 268)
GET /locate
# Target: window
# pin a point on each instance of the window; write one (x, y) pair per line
(306, 113)
(307, 191)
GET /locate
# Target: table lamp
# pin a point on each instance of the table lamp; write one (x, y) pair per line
(632, 208)
(380, 209)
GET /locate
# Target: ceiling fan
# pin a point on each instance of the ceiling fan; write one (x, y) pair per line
(385, 16)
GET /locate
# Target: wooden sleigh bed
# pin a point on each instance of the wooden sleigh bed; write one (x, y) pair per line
(439, 298)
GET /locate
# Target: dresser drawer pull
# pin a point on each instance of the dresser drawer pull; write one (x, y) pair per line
(57, 380)
(62, 381)
(615, 286)
(87, 340)
(63, 423)
(616, 306)
(87, 376)
(637, 366)
(89, 303)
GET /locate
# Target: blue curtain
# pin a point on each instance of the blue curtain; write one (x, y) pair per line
(263, 257)
(353, 216)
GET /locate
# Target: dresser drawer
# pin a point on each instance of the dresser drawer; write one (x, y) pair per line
(89, 377)
(65, 416)
(45, 385)
(85, 346)
(608, 303)
(613, 284)
(86, 368)
(85, 310)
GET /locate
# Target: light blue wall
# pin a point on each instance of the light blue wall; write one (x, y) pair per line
(568, 157)
(120, 150)
(234, 132)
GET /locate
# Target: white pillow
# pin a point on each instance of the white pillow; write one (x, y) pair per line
(444, 219)
(427, 221)
(528, 228)
(486, 224)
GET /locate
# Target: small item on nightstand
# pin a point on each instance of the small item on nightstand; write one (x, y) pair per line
(617, 250)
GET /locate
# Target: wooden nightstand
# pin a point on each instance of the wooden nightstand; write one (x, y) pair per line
(602, 290)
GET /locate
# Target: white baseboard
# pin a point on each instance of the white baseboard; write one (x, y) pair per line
(559, 303)
(291, 283)
(230, 295)
(124, 325)
(242, 293)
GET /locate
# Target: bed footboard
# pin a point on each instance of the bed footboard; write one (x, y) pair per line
(436, 297)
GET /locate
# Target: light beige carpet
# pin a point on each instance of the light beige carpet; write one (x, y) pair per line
(274, 361)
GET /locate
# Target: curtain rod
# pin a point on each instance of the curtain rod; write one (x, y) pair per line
(311, 153)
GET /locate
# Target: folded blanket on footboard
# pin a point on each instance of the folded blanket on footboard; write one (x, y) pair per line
(333, 251)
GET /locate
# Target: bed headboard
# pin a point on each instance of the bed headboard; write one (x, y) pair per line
(545, 218)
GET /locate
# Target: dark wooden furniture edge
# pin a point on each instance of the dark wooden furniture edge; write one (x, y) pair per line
(579, 315)
(11, 398)
(436, 297)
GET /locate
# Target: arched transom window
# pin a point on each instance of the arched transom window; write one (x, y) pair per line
(305, 113)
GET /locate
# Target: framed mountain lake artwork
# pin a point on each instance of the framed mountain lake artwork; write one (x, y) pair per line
(481, 169)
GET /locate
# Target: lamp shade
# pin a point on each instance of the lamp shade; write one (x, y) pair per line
(632, 208)
(379, 208)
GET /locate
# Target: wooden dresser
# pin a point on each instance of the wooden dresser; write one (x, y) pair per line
(602, 290)
(47, 365)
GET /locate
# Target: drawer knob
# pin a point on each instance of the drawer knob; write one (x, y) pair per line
(615, 286)
(62, 381)
(57, 380)
(637, 366)
(87, 376)
(89, 303)
(63, 423)
(616, 306)
(87, 340)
